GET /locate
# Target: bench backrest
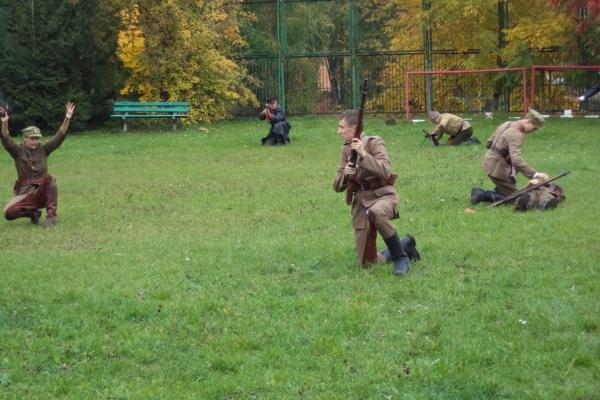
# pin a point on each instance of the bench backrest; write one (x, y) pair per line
(148, 107)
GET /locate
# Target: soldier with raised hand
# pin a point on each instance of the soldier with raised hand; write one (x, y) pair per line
(374, 204)
(35, 188)
(458, 130)
(503, 158)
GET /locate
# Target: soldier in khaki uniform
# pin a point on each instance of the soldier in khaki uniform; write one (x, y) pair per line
(503, 158)
(35, 188)
(374, 204)
(544, 198)
(457, 128)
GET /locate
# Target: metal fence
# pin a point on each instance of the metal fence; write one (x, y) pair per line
(556, 88)
(322, 83)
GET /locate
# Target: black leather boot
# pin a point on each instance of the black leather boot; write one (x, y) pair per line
(477, 195)
(491, 196)
(410, 247)
(409, 244)
(399, 257)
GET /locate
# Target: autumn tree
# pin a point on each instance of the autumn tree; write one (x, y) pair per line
(180, 50)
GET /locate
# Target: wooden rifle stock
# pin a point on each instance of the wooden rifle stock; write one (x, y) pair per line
(520, 193)
(352, 184)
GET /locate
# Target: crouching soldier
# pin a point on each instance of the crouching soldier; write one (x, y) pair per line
(458, 130)
(280, 126)
(375, 201)
(35, 188)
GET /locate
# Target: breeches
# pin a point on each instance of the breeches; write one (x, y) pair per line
(460, 137)
(377, 217)
(25, 205)
(505, 187)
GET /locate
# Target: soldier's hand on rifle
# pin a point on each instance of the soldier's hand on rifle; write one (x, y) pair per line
(349, 170)
(357, 146)
(542, 176)
(3, 114)
(533, 182)
(70, 107)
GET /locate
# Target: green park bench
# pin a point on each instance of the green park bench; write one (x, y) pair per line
(150, 109)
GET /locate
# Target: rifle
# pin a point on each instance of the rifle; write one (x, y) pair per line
(357, 131)
(527, 190)
(431, 137)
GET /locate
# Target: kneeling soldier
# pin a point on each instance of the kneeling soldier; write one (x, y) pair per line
(374, 204)
(35, 188)
(503, 158)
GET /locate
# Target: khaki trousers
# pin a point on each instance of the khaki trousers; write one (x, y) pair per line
(505, 187)
(377, 217)
(460, 137)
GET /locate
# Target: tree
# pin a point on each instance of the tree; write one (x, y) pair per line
(50, 55)
(181, 50)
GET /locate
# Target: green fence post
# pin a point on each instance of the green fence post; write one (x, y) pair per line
(353, 32)
(427, 49)
(282, 51)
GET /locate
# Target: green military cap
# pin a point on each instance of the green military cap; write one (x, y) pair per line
(535, 117)
(32, 131)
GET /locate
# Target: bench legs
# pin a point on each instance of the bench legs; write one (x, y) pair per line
(174, 125)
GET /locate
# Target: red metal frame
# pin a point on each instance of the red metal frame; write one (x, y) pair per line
(464, 71)
(553, 68)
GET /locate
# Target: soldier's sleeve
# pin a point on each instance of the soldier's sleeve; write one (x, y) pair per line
(592, 91)
(377, 163)
(7, 142)
(278, 115)
(55, 142)
(340, 182)
(515, 142)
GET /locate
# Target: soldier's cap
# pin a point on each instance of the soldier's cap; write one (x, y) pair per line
(535, 117)
(271, 99)
(32, 131)
(433, 115)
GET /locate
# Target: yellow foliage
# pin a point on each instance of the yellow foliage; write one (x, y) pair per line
(176, 52)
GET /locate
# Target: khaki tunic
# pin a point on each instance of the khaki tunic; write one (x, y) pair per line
(451, 125)
(376, 206)
(503, 159)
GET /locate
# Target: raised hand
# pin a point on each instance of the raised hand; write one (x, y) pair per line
(70, 107)
(3, 115)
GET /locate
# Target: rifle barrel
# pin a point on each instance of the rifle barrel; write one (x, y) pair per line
(527, 190)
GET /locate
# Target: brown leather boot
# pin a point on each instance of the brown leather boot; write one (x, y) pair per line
(51, 205)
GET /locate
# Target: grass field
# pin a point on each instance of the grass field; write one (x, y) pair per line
(200, 265)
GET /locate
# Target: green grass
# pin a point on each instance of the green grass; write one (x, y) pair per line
(200, 265)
